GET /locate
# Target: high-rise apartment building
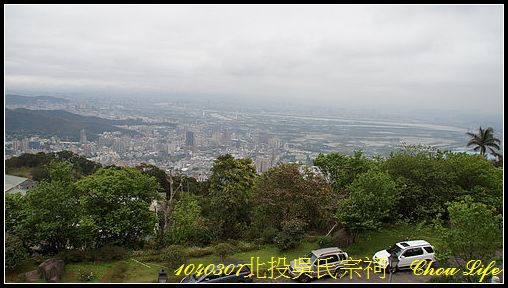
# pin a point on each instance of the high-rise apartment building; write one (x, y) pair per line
(82, 137)
(189, 138)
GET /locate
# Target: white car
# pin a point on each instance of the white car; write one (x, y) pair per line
(406, 252)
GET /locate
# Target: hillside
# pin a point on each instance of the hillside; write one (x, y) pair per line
(11, 99)
(66, 125)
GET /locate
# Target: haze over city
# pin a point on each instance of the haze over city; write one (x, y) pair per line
(392, 58)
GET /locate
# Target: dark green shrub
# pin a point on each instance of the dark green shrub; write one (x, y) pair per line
(151, 258)
(268, 235)
(223, 250)
(174, 255)
(108, 253)
(326, 241)
(197, 252)
(283, 241)
(291, 234)
(15, 252)
(72, 256)
(312, 238)
(38, 259)
(242, 246)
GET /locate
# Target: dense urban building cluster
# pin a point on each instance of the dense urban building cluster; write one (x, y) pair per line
(187, 137)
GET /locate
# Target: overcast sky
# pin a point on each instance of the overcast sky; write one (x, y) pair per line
(446, 57)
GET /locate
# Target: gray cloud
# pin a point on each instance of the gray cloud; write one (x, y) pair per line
(382, 56)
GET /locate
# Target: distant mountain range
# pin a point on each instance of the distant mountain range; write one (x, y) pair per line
(11, 99)
(65, 125)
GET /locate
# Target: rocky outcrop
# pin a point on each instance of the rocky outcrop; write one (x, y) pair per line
(32, 276)
(52, 270)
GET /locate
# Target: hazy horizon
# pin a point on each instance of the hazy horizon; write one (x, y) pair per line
(387, 57)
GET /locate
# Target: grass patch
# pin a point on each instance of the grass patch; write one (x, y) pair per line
(99, 269)
(263, 255)
(131, 271)
(371, 242)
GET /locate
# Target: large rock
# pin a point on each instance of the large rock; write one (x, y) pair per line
(342, 238)
(52, 270)
(32, 276)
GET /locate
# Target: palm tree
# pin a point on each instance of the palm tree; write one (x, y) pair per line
(483, 140)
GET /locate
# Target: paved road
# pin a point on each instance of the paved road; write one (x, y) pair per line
(404, 276)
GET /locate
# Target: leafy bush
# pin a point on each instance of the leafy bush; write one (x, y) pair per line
(151, 258)
(157, 243)
(312, 238)
(108, 253)
(199, 251)
(242, 246)
(15, 252)
(174, 255)
(291, 234)
(268, 235)
(223, 250)
(86, 276)
(38, 259)
(283, 241)
(72, 256)
(188, 227)
(326, 241)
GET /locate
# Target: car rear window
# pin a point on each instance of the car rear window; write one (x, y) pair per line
(429, 249)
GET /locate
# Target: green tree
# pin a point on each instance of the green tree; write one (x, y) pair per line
(291, 234)
(483, 140)
(174, 255)
(51, 211)
(82, 166)
(38, 164)
(424, 181)
(475, 231)
(287, 192)
(15, 252)
(187, 226)
(159, 174)
(191, 185)
(15, 213)
(223, 250)
(477, 177)
(341, 170)
(230, 192)
(164, 206)
(372, 198)
(115, 206)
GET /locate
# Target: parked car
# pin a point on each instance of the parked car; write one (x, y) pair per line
(406, 252)
(327, 259)
(243, 276)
